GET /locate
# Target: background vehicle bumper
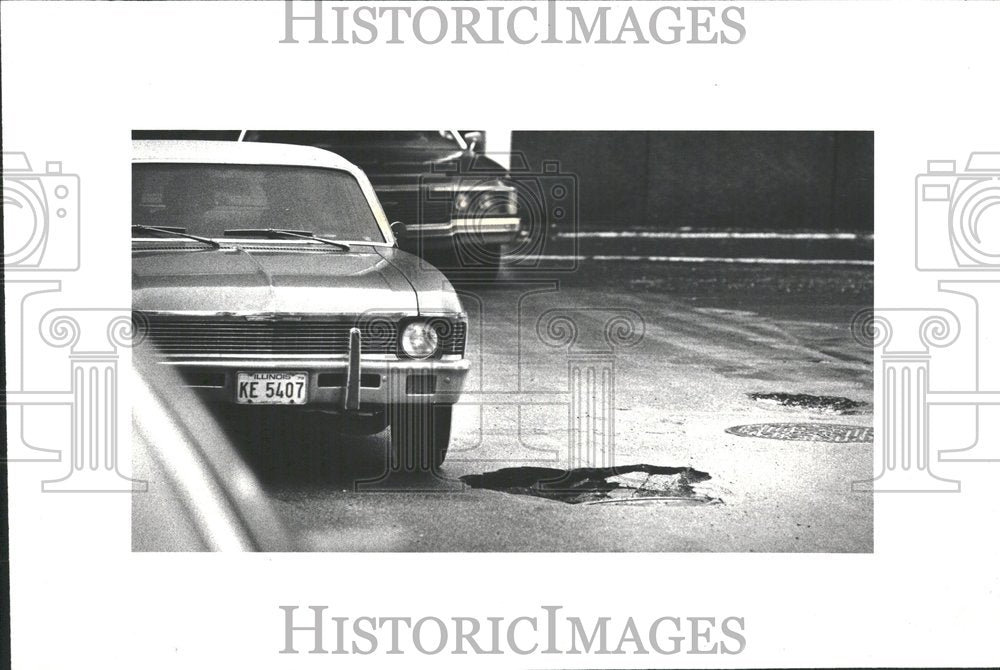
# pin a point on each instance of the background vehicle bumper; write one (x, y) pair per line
(483, 230)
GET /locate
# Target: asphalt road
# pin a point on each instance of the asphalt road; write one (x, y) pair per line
(687, 343)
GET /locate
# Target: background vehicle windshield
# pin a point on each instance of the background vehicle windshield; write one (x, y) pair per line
(208, 200)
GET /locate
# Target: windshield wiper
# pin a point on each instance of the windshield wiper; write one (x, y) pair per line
(177, 232)
(283, 232)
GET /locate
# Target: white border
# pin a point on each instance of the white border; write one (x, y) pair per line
(78, 77)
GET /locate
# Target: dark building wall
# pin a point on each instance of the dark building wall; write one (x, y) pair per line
(740, 180)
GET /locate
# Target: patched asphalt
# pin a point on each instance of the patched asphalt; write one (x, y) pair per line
(712, 336)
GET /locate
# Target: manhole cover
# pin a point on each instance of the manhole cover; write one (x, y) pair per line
(627, 485)
(818, 403)
(808, 432)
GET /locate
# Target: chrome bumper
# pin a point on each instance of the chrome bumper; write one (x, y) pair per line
(489, 230)
(336, 384)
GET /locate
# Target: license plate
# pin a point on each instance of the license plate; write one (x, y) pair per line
(271, 388)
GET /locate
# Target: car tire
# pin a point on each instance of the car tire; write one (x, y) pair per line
(419, 435)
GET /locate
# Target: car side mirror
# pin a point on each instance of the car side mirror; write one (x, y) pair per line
(398, 229)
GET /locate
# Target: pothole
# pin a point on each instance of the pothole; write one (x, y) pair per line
(806, 432)
(629, 485)
(817, 403)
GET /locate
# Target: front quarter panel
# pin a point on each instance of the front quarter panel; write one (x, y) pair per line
(435, 294)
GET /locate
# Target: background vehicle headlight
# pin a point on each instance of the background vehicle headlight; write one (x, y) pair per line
(419, 340)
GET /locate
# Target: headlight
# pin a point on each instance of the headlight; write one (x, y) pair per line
(419, 340)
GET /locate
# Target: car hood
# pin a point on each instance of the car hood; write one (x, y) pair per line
(272, 278)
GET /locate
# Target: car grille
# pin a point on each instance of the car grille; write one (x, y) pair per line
(198, 336)
(406, 206)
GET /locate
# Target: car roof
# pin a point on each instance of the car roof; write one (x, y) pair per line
(236, 153)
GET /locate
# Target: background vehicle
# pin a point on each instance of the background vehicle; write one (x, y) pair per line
(459, 206)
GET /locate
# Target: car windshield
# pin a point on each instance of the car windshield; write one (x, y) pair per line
(208, 200)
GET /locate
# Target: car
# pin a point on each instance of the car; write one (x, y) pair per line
(193, 490)
(269, 277)
(460, 207)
